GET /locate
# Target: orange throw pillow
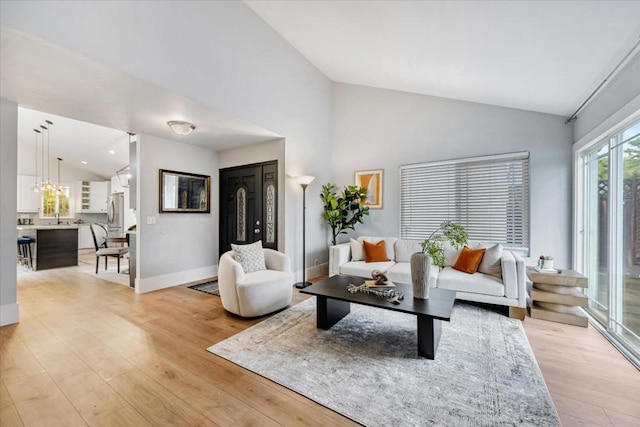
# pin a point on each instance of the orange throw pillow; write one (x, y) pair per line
(469, 260)
(375, 252)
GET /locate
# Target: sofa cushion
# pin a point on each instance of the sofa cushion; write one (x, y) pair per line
(451, 254)
(375, 252)
(357, 250)
(364, 269)
(250, 257)
(469, 260)
(490, 263)
(400, 273)
(389, 242)
(476, 283)
(405, 248)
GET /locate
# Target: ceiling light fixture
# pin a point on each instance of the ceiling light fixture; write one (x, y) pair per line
(84, 162)
(180, 127)
(47, 185)
(112, 152)
(36, 186)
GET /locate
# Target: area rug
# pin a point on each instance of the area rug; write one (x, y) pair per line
(366, 367)
(111, 274)
(208, 287)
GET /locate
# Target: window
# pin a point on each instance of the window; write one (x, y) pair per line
(56, 202)
(609, 226)
(489, 196)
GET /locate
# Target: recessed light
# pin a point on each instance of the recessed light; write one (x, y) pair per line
(84, 162)
(112, 152)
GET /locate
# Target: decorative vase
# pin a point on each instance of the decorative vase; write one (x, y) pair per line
(420, 268)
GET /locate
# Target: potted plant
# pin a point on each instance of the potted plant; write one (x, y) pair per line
(433, 254)
(343, 212)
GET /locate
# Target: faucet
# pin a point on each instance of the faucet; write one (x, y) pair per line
(58, 219)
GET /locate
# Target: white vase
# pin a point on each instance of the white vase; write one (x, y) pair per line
(420, 268)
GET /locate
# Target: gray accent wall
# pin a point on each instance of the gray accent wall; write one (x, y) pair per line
(378, 128)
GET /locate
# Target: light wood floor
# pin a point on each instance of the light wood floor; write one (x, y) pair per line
(89, 352)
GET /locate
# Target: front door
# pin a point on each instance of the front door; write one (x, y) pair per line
(249, 205)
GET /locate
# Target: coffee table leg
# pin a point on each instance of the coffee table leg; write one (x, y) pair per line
(428, 336)
(329, 311)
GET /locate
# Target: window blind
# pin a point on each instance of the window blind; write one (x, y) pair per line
(489, 196)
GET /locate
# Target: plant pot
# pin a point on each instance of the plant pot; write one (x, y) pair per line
(420, 268)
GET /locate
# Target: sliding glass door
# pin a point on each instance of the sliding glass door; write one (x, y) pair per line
(611, 234)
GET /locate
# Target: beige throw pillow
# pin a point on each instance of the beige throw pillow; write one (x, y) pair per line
(357, 251)
(491, 261)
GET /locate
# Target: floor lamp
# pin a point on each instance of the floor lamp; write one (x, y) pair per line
(304, 181)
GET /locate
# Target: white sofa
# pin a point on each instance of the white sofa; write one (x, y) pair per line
(257, 293)
(508, 290)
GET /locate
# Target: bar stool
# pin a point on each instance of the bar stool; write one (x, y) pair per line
(24, 251)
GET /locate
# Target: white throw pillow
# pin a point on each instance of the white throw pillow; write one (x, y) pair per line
(491, 261)
(250, 257)
(357, 250)
(451, 253)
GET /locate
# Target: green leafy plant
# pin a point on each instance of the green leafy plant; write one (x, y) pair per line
(343, 212)
(433, 245)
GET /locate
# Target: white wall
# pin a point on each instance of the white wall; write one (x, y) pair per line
(618, 100)
(220, 55)
(179, 248)
(258, 153)
(8, 183)
(376, 128)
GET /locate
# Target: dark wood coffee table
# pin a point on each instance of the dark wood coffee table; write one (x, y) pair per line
(333, 302)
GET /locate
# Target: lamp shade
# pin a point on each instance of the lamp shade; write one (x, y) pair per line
(305, 179)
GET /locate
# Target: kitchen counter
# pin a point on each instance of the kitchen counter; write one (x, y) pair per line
(56, 245)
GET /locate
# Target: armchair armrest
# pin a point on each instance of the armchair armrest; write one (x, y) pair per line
(275, 260)
(230, 272)
(338, 255)
(513, 277)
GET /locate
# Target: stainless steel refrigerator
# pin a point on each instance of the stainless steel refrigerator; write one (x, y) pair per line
(115, 214)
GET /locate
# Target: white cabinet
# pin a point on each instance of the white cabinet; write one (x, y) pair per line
(28, 200)
(99, 198)
(94, 196)
(85, 239)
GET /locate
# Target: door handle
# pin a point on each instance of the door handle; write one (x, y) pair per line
(256, 230)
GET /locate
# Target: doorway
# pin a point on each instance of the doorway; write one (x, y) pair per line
(249, 205)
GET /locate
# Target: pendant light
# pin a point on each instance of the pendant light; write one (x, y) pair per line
(47, 185)
(36, 186)
(59, 191)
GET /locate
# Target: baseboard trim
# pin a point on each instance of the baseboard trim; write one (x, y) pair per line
(318, 270)
(9, 314)
(155, 283)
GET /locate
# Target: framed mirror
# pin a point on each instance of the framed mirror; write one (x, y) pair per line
(182, 192)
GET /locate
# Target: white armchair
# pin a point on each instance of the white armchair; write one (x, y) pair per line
(257, 293)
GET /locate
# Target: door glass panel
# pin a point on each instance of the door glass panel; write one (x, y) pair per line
(629, 261)
(597, 231)
(270, 204)
(241, 214)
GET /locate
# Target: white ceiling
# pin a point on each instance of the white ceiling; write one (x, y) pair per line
(45, 77)
(544, 56)
(104, 150)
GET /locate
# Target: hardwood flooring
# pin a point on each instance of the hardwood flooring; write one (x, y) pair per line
(90, 352)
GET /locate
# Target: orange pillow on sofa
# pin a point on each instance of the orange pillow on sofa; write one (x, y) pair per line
(469, 260)
(375, 252)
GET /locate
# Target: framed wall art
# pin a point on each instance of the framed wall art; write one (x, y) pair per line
(372, 181)
(182, 192)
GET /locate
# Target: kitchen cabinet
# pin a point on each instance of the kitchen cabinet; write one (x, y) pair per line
(28, 200)
(94, 196)
(85, 239)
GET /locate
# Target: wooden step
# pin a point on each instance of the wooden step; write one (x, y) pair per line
(575, 317)
(576, 298)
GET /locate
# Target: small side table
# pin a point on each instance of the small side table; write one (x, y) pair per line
(558, 296)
